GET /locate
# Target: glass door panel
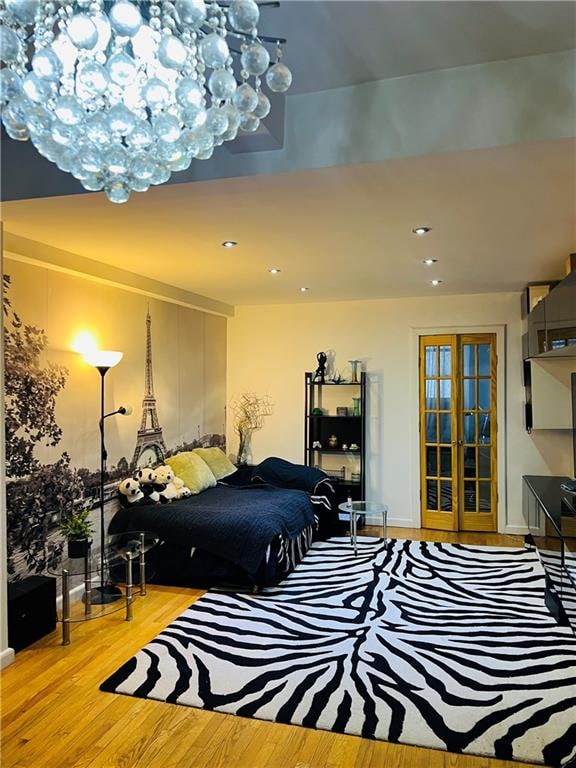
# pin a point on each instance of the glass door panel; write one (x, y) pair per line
(457, 428)
(477, 466)
(438, 425)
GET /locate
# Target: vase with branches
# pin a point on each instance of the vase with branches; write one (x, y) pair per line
(249, 410)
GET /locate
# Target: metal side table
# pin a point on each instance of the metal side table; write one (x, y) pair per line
(121, 551)
(356, 508)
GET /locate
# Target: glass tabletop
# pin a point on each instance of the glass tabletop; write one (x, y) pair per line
(363, 506)
(112, 580)
(116, 550)
(132, 543)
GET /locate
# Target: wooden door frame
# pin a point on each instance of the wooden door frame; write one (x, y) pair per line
(416, 332)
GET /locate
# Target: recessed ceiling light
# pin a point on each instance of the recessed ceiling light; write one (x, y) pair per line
(274, 270)
(421, 230)
(304, 290)
(436, 282)
(229, 243)
(429, 262)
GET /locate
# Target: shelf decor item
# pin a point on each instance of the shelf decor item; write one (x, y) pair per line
(249, 412)
(342, 411)
(320, 373)
(354, 365)
(334, 474)
(122, 94)
(357, 406)
(333, 441)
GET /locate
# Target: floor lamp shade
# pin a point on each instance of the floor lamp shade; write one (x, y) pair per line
(103, 358)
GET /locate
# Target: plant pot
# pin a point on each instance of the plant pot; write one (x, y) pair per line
(78, 547)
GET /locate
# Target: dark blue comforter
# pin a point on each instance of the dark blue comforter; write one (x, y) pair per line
(235, 523)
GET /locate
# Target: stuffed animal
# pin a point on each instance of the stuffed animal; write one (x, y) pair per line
(165, 477)
(130, 493)
(149, 484)
(182, 491)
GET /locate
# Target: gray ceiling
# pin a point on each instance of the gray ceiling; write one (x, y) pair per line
(335, 43)
(338, 43)
(502, 215)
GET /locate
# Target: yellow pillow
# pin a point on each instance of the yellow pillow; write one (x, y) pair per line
(217, 460)
(196, 474)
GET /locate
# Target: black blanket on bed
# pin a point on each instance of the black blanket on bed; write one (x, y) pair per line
(235, 523)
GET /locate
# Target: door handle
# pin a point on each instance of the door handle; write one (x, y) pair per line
(456, 442)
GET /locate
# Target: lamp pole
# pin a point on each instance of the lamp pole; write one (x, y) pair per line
(103, 361)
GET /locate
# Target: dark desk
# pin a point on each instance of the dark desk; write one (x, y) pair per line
(550, 515)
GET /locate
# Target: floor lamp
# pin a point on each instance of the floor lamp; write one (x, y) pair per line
(103, 360)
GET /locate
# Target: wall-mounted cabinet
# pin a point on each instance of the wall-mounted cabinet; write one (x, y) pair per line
(549, 353)
(552, 322)
(548, 389)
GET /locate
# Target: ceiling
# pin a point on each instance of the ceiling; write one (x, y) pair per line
(500, 217)
(336, 43)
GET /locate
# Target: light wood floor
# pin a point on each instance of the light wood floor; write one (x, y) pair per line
(54, 716)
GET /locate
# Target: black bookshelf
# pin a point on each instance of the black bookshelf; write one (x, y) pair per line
(350, 429)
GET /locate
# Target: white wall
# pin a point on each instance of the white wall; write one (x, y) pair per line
(270, 348)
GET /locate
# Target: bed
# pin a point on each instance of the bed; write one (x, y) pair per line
(246, 531)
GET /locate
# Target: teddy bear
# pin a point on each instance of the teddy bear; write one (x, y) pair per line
(150, 485)
(165, 477)
(182, 491)
(130, 493)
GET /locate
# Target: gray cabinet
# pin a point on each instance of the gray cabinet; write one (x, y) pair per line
(552, 322)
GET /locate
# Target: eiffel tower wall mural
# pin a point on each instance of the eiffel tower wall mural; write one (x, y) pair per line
(173, 374)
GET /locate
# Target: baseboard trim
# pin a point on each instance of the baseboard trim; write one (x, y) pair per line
(398, 522)
(76, 593)
(6, 657)
(516, 530)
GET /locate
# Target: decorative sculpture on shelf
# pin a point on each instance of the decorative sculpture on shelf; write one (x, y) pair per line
(320, 373)
(249, 411)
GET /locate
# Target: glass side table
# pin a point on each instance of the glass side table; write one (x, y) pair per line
(356, 508)
(120, 552)
(130, 546)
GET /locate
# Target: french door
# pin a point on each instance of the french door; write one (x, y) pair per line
(458, 431)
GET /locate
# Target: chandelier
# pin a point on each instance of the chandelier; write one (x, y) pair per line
(122, 94)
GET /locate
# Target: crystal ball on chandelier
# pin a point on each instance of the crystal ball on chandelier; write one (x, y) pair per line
(122, 94)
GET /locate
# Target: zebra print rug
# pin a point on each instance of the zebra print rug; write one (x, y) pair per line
(444, 646)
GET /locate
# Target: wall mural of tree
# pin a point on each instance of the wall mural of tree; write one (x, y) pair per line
(36, 494)
(52, 456)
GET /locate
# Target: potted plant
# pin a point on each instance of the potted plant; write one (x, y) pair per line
(77, 529)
